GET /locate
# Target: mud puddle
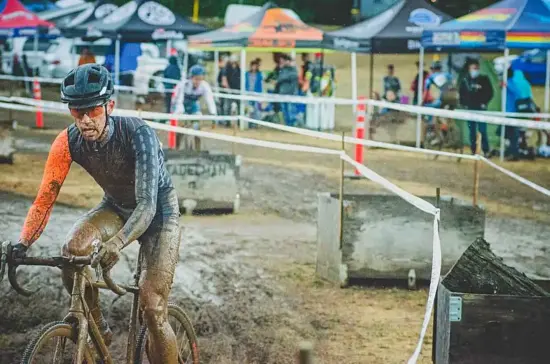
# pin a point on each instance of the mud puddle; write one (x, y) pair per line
(223, 280)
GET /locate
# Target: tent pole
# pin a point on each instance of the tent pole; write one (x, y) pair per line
(371, 71)
(547, 84)
(216, 69)
(168, 47)
(35, 69)
(420, 94)
(117, 64)
(354, 77)
(503, 101)
(243, 75)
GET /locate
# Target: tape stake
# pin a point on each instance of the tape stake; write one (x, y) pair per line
(172, 135)
(38, 96)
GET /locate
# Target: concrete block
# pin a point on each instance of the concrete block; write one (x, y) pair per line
(384, 237)
(205, 181)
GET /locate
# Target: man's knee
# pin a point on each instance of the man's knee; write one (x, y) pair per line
(154, 293)
(79, 241)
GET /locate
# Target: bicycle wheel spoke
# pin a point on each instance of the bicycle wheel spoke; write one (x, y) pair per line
(59, 350)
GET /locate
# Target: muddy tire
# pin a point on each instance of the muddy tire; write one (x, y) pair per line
(63, 334)
(187, 348)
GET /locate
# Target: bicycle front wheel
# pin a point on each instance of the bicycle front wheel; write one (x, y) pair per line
(188, 352)
(54, 344)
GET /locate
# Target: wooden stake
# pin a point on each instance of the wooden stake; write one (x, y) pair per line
(342, 192)
(306, 353)
(476, 169)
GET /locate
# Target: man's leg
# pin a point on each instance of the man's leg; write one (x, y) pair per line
(472, 125)
(100, 223)
(484, 137)
(160, 245)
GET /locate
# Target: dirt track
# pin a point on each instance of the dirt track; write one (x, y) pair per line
(248, 280)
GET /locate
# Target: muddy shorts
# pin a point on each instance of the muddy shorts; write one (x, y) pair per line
(160, 242)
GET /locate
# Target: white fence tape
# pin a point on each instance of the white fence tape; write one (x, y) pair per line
(352, 140)
(57, 107)
(453, 114)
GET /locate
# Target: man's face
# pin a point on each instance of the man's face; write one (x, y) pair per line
(91, 121)
(196, 80)
(474, 67)
(390, 71)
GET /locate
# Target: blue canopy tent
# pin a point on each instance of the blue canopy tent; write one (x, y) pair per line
(499, 27)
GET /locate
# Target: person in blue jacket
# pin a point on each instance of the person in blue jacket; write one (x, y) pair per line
(254, 83)
(172, 72)
(519, 98)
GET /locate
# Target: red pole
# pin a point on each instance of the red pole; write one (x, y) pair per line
(38, 96)
(173, 122)
(360, 131)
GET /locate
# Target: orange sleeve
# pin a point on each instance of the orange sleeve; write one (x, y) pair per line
(57, 167)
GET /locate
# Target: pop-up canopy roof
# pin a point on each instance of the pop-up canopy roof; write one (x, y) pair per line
(137, 21)
(18, 21)
(269, 28)
(396, 30)
(506, 24)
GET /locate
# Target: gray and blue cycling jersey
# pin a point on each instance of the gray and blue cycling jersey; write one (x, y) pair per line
(442, 80)
(186, 98)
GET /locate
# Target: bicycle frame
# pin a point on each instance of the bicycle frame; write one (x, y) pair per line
(80, 316)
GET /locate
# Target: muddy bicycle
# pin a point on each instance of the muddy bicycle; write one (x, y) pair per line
(443, 133)
(77, 339)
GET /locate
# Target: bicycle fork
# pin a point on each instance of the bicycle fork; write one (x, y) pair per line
(79, 316)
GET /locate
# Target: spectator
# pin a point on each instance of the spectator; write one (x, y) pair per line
(86, 56)
(519, 98)
(414, 86)
(392, 86)
(476, 92)
(287, 84)
(254, 83)
(231, 79)
(172, 72)
(272, 80)
(306, 67)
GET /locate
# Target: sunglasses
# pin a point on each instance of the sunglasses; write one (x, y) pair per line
(92, 112)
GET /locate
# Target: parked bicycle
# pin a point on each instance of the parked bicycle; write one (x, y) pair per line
(77, 339)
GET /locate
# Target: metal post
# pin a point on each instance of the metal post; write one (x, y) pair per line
(117, 64)
(216, 69)
(371, 73)
(244, 125)
(185, 65)
(476, 169)
(306, 353)
(341, 227)
(547, 84)
(354, 77)
(420, 95)
(168, 47)
(503, 101)
(35, 54)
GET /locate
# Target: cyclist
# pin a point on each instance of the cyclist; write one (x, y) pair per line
(444, 82)
(187, 96)
(123, 156)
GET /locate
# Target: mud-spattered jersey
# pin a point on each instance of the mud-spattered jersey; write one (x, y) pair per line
(128, 165)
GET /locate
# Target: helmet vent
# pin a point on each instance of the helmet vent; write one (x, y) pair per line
(93, 77)
(69, 81)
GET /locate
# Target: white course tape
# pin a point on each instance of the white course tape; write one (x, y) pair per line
(517, 177)
(353, 140)
(60, 108)
(453, 114)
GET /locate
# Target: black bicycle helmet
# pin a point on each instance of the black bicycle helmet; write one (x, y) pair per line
(87, 86)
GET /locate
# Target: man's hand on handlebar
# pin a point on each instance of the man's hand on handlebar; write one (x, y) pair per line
(109, 253)
(19, 251)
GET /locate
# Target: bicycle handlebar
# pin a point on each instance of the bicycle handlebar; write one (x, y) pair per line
(6, 260)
